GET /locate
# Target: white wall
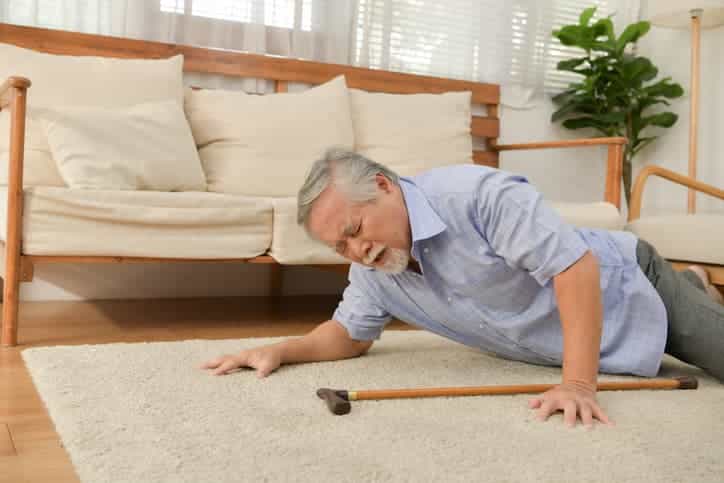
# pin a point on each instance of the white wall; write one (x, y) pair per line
(670, 51)
(565, 175)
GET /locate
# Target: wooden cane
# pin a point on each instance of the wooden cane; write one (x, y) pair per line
(338, 399)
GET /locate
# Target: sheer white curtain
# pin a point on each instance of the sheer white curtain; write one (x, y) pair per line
(309, 29)
(501, 41)
(506, 42)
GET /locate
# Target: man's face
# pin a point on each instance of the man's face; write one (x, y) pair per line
(376, 233)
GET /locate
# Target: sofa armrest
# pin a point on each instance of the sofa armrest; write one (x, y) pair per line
(7, 89)
(614, 170)
(638, 190)
(13, 96)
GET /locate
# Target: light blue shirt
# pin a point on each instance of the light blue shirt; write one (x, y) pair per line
(488, 247)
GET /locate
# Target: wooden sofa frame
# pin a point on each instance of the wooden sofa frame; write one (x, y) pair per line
(14, 91)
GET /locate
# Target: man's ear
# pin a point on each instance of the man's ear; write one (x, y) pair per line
(383, 183)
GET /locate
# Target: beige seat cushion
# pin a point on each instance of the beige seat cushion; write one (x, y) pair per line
(590, 215)
(64, 221)
(411, 133)
(64, 80)
(264, 145)
(290, 242)
(694, 238)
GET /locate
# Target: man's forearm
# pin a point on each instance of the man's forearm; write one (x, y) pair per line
(578, 292)
(327, 342)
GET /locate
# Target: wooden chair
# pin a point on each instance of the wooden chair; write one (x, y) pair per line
(683, 239)
(19, 266)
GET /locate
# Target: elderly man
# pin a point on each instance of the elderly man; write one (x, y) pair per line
(475, 255)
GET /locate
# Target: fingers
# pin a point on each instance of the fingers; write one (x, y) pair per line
(547, 408)
(225, 367)
(224, 364)
(572, 409)
(601, 416)
(212, 363)
(587, 416)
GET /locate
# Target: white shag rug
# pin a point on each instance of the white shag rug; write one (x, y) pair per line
(144, 412)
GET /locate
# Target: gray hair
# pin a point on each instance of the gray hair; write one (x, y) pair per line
(351, 173)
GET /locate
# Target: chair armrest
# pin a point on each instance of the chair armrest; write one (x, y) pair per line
(614, 169)
(570, 143)
(638, 190)
(6, 89)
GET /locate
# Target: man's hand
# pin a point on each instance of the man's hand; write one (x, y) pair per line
(573, 398)
(264, 359)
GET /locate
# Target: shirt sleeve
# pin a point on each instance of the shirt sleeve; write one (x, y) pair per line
(359, 311)
(521, 228)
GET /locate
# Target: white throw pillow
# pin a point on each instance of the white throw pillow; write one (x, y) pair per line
(263, 145)
(66, 80)
(411, 133)
(143, 147)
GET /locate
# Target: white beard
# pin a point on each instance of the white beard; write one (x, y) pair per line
(396, 261)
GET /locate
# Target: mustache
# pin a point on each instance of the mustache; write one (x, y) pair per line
(373, 254)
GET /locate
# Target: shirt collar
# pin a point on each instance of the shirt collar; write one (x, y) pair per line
(424, 222)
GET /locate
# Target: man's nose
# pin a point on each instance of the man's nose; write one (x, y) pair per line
(361, 248)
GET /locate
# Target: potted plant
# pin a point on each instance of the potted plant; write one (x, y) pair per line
(617, 91)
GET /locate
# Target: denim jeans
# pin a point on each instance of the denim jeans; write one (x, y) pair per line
(696, 321)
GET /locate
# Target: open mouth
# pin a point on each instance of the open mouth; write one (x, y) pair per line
(379, 256)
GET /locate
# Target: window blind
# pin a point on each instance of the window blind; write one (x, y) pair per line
(481, 40)
(290, 14)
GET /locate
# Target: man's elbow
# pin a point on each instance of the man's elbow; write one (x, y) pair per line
(364, 346)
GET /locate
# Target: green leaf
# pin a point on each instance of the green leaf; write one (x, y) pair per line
(639, 70)
(570, 64)
(586, 16)
(564, 96)
(569, 108)
(569, 35)
(631, 34)
(611, 117)
(642, 143)
(662, 119)
(603, 47)
(606, 26)
(665, 88)
(584, 122)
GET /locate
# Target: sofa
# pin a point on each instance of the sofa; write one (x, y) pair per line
(108, 156)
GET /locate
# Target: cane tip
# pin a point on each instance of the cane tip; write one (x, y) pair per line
(336, 400)
(687, 382)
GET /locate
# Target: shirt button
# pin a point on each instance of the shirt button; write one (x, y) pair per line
(481, 326)
(426, 250)
(449, 299)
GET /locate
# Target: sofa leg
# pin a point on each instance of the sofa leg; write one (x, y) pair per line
(11, 289)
